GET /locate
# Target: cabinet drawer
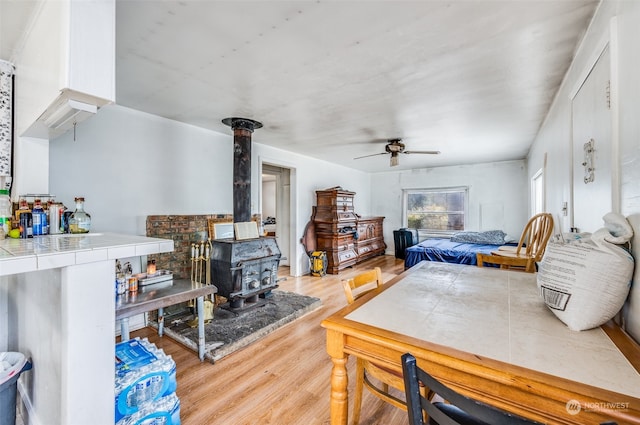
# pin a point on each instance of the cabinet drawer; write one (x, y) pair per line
(364, 249)
(347, 255)
(344, 203)
(334, 199)
(346, 216)
(346, 246)
(332, 216)
(335, 243)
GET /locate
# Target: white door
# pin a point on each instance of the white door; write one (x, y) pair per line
(592, 158)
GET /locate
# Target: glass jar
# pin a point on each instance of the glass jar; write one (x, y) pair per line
(79, 221)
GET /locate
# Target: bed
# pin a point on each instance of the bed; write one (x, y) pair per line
(461, 248)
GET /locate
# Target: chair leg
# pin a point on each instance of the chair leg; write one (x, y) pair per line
(357, 398)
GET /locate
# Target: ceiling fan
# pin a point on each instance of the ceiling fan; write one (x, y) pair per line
(396, 147)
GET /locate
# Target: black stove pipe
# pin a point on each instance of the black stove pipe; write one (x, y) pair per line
(242, 129)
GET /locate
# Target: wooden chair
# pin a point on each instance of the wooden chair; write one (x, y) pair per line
(529, 250)
(361, 284)
(354, 288)
(458, 410)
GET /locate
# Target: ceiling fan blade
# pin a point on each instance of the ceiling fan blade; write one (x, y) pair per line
(423, 152)
(373, 154)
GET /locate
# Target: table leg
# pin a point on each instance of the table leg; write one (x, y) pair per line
(124, 329)
(339, 396)
(200, 302)
(160, 321)
(339, 401)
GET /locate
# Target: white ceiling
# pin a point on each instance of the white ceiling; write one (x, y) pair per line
(334, 79)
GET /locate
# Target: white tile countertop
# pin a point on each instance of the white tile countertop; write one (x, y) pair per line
(500, 315)
(53, 251)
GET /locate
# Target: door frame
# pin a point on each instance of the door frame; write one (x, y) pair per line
(294, 249)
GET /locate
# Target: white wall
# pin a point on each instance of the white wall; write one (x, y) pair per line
(128, 164)
(554, 138)
(500, 187)
(66, 45)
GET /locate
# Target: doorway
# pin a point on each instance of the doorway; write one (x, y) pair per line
(276, 206)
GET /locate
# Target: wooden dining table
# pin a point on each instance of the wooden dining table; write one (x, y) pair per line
(486, 333)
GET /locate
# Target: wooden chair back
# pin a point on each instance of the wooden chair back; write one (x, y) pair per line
(362, 283)
(530, 249)
(535, 236)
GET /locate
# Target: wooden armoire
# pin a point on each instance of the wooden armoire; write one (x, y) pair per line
(345, 237)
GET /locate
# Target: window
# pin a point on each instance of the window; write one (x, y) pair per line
(436, 210)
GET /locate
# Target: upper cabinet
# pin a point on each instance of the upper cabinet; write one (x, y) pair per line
(65, 69)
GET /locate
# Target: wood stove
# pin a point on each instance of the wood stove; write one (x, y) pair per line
(244, 270)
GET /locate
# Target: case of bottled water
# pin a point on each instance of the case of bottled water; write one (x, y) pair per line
(145, 377)
(164, 411)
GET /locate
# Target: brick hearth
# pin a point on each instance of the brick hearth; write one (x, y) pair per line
(184, 230)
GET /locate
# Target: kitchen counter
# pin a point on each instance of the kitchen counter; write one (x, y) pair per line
(57, 306)
(53, 251)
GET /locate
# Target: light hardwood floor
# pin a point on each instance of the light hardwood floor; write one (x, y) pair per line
(282, 378)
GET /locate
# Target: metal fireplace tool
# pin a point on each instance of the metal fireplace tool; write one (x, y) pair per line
(201, 258)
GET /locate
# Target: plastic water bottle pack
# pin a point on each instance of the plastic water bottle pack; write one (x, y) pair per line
(145, 378)
(164, 411)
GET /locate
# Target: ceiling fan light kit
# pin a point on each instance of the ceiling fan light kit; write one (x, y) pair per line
(395, 147)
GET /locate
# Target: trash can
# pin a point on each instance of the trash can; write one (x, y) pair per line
(12, 364)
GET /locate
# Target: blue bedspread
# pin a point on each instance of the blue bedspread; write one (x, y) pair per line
(444, 250)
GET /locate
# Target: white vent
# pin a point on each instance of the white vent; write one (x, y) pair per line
(61, 117)
(68, 109)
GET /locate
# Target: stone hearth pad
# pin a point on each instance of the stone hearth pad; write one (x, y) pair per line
(230, 331)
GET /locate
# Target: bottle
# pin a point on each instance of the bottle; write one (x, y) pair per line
(23, 206)
(5, 213)
(79, 221)
(64, 219)
(39, 218)
(26, 225)
(55, 212)
(151, 267)
(133, 284)
(121, 283)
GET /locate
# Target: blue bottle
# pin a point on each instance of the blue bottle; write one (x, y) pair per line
(39, 219)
